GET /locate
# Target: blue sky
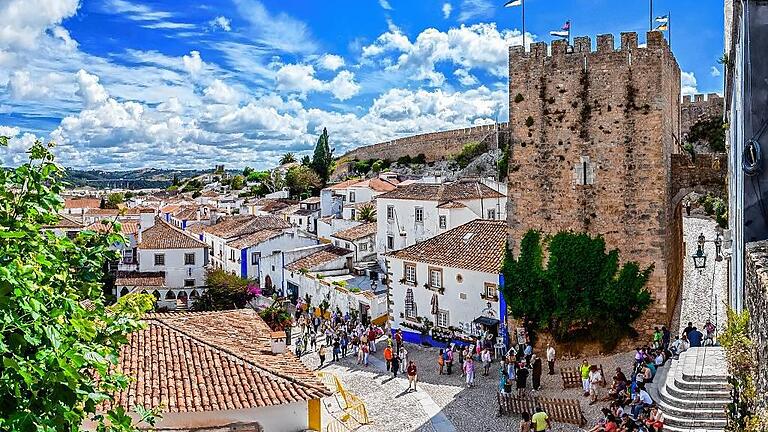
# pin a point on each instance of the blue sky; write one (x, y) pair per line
(122, 84)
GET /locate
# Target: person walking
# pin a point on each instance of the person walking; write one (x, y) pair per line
(395, 365)
(540, 420)
(469, 371)
(403, 359)
(412, 376)
(388, 357)
(449, 360)
(441, 361)
(364, 350)
(398, 340)
(525, 422)
(486, 359)
(666, 335)
(521, 379)
(584, 369)
(710, 329)
(321, 354)
(595, 377)
(536, 372)
(344, 343)
(528, 352)
(551, 358)
(336, 349)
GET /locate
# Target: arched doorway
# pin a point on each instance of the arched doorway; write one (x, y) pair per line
(124, 291)
(170, 295)
(268, 288)
(156, 293)
(182, 299)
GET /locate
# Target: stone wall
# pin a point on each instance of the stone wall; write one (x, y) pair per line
(695, 108)
(608, 118)
(756, 302)
(435, 146)
(703, 173)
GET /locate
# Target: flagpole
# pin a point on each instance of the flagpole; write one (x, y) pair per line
(669, 29)
(650, 15)
(523, 5)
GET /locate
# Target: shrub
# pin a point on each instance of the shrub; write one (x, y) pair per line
(469, 152)
(715, 207)
(419, 159)
(711, 131)
(404, 160)
(582, 292)
(529, 121)
(225, 291)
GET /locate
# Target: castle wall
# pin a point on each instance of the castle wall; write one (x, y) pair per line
(611, 119)
(695, 108)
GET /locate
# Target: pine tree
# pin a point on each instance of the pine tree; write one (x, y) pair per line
(323, 157)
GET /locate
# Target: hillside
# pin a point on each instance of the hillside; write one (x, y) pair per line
(132, 179)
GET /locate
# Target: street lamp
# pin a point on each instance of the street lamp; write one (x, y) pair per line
(700, 258)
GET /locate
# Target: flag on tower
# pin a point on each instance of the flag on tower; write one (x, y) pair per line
(513, 3)
(664, 19)
(663, 27)
(564, 33)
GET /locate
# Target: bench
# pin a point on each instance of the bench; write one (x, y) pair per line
(559, 410)
(572, 377)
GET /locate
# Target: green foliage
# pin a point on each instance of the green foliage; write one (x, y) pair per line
(380, 165)
(711, 131)
(367, 213)
(225, 291)
(581, 292)
(192, 185)
(288, 158)
(688, 148)
(247, 171)
(503, 165)
(469, 152)
(57, 333)
(114, 200)
(716, 207)
(404, 160)
(322, 159)
(276, 316)
(529, 121)
(175, 181)
(354, 290)
(420, 159)
(257, 176)
(306, 161)
(301, 180)
(518, 98)
(238, 182)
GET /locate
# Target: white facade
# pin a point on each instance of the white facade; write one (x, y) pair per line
(182, 267)
(465, 295)
(364, 248)
(336, 294)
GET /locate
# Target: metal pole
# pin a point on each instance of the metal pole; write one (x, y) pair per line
(650, 15)
(523, 5)
(669, 29)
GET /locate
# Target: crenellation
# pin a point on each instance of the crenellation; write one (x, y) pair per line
(582, 44)
(539, 49)
(628, 41)
(605, 43)
(559, 48)
(655, 39)
(698, 98)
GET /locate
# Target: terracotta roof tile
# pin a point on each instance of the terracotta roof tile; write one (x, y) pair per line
(82, 203)
(211, 361)
(255, 238)
(311, 200)
(356, 232)
(140, 279)
(477, 245)
(127, 226)
(451, 204)
(66, 222)
(322, 256)
(456, 191)
(164, 236)
(237, 226)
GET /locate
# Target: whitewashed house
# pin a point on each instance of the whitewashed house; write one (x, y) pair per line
(327, 275)
(76, 207)
(451, 280)
(171, 266)
(415, 212)
(305, 217)
(360, 239)
(327, 226)
(239, 243)
(343, 199)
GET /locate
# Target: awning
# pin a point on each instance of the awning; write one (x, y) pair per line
(486, 321)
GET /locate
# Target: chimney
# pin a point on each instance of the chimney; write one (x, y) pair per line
(278, 341)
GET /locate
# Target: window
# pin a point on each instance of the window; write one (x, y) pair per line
(159, 259)
(189, 282)
(443, 222)
(351, 196)
(410, 273)
(390, 242)
(127, 256)
(352, 214)
(419, 214)
(492, 214)
(363, 247)
(346, 245)
(189, 259)
(463, 296)
(231, 254)
(254, 258)
(435, 278)
(390, 212)
(410, 305)
(490, 291)
(442, 318)
(583, 172)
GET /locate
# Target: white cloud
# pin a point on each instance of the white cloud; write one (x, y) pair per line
(343, 86)
(135, 11)
(24, 21)
(688, 83)
(279, 31)
(715, 72)
(21, 86)
(473, 9)
(465, 78)
(90, 90)
(192, 62)
(298, 78)
(221, 22)
(330, 62)
(169, 25)
(385, 4)
(220, 92)
(447, 9)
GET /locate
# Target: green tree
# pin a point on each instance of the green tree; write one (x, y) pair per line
(301, 179)
(114, 200)
(274, 182)
(175, 181)
(225, 291)
(306, 160)
(238, 182)
(323, 157)
(247, 171)
(287, 158)
(367, 213)
(57, 334)
(582, 291)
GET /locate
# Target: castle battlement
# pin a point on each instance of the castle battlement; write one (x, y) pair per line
(699, 99)
(582, 45)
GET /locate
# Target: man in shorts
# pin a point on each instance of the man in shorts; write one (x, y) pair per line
(411, 372)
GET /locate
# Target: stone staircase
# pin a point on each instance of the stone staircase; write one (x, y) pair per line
(694, 395)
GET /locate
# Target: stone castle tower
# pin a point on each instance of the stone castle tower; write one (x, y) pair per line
(593, 134)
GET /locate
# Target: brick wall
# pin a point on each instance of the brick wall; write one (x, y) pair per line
(615, 110)
(756, 301)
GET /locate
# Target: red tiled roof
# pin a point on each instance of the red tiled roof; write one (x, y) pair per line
(237, 226)
(140, 279)
(477, 245)
(82, 203)
(211, 361)
(112, 212)
(322, 256)
(127, 227)
(66, 222)
(456, 191)
(356, 232)
(343, 185)
(255, 238)
(311, 200)
(451, 204)
(164, 236)
(376, 184)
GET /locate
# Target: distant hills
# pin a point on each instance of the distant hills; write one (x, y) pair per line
(134, 179)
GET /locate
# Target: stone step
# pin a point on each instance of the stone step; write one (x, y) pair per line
(668, 428)
(693, 400)
(702, 386)
(670, 419)
(703, 364)
(717, 413)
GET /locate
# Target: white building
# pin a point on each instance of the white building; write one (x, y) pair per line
(327, 226)
(305, 217)
(171, 265)
(360, 239)
(238, 244)
(418, 211)
(341, 198)
(451, 280)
